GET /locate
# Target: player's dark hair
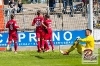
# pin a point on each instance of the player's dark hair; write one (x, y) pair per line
(39, 12)
(89, 30)
(47, 16)
(12, 16)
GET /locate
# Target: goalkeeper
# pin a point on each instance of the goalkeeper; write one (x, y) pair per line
(89, 43)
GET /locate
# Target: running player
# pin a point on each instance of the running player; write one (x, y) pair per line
(38, 20)
(12, 26)
(48, 32)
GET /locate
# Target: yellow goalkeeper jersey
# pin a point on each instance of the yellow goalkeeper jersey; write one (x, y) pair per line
(89, 42)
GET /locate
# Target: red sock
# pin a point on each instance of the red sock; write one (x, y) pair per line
(38, 42)
(42, 44)
(52, 45)
(46, 46)
(15, 46)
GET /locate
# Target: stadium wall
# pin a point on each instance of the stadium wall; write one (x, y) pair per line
(29, 38)
(62, 39)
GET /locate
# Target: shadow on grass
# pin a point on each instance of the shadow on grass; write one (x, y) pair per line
(39, 57)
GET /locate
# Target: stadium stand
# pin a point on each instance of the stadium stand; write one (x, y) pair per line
(60, 21)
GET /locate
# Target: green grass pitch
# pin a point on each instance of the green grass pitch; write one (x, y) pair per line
(32, 58)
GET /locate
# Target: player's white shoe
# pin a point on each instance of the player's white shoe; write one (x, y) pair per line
(15, 52)
(64, 53)
(47, 50)
(8, 47)
(61, 51)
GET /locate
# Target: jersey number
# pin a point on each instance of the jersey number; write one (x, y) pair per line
(11, 26)
(49, 25)
(38, 23)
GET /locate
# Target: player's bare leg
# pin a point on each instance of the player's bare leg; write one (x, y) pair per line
(8, 46)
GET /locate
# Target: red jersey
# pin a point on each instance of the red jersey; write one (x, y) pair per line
(38, 21)
(48, 36)
(11, 25)
(48, 23)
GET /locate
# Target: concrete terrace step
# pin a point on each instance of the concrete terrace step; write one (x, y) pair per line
(72, 23)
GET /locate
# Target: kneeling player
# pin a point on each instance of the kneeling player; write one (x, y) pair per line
(89, 43)
(11, 25)
(48, 32)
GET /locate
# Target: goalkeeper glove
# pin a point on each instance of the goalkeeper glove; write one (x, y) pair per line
(78, 38)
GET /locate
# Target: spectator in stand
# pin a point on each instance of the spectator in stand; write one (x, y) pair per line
(12, 6)
(34, 1)
(20, 6)
(43, 1)
(71, 7)
(85, 5)
(65, 4)
(31, 1)
(52, 5)
(83, 2)
(78, 0)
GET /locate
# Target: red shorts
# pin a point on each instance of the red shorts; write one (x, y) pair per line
(49, 35)
(39, 33)
(13, 37)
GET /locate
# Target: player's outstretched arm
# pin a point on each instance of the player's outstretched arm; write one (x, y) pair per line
(85, 39)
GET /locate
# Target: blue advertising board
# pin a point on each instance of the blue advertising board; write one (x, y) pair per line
(58, 37)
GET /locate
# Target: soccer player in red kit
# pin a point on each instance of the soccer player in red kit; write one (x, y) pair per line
(12, 26)
(48, 33)
(38, 20)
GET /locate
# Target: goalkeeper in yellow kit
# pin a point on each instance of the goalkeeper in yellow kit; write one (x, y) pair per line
(89, 43)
